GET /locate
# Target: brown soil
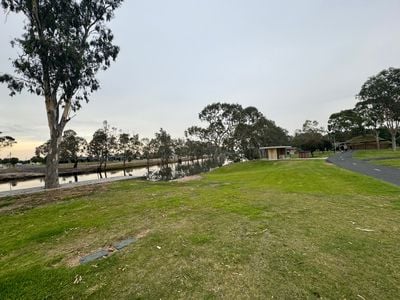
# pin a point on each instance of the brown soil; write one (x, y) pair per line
(24, 202)
(73, 261)
(188, 178)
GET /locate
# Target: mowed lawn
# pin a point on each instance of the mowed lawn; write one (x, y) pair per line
(386, 157)
(282, 230)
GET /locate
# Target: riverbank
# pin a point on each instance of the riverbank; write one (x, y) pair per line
(65, 186)
(26, 172)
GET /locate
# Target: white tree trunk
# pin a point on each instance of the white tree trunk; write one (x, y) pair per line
(378, 145)
(394, 146)
(52, 160)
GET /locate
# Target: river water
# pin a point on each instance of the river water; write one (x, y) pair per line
(173, 170)
(39, 182)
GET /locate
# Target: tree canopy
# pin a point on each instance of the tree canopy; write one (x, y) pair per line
(380, 99)
(64, 44)
(236, 131)
(346, 124)
(6, 140)
(311, 137)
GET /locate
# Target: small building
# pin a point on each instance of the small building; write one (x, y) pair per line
(275, 152)
(304, 154)
(366, 142)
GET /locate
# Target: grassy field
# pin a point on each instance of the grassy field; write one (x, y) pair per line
(282, 230)
(393, 162)
(376, 154)
(385, 157)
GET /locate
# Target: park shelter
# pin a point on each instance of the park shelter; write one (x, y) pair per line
(275, 152)
(367, 142)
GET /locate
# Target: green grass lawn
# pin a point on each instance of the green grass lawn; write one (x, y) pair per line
(393, 162)
(282, 230)
(376, 154)
(386, 157)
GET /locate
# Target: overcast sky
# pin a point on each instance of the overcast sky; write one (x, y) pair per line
(293, 60)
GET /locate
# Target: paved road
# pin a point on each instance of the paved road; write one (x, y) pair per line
(345, 160)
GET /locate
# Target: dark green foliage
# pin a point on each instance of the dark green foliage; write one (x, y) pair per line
(164, 149)
(11, 160)
(380, 101)
(72, 147)
(64, 44)
(236, 131)
(103, 145)
(346, 124)
(127, 146)
(311, 137)
(6, 140)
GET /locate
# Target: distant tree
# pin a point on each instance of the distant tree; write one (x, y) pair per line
(164, 146)
(10, 161)
(6, 141)
(148, 149)
(371, 118)
(42, 150)
(346, 124)
(196, 150)
(381, 93)
(103, 145)
(236, 131)
(254, 131)
(72, 147)
(180, 148)
(221, 120)
(311, 137)
(37, 159)
(127, 146)
(97, 148)
(64, 44)
(14, 161)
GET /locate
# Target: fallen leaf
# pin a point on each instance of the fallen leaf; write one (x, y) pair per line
(365, 229)
(78, 279)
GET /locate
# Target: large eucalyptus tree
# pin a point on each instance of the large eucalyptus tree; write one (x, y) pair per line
(64, 44)
(380, 95)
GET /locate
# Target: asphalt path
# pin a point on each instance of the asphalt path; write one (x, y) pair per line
(345, 160)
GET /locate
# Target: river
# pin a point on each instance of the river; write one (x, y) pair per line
(39, 182)
(175, 170)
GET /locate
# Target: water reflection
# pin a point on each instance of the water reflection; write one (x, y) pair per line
(166, 172)
(39, 182)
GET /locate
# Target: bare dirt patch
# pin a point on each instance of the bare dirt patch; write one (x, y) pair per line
(143, 233)
(25, 202)
(188, 178)
(78, 253)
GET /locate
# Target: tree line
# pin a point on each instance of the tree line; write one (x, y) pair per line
(229, 132)
(376, 112)
(65, 44)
